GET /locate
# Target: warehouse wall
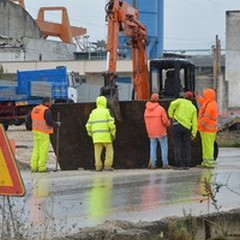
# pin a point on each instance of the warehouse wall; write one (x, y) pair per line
(16, 22)
(20, 38)
(233, 57)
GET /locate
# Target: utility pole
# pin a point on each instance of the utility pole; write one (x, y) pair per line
(217, 66)
(219, 85)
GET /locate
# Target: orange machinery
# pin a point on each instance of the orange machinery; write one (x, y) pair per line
(131, 146)
(63, 30)
(123, 18)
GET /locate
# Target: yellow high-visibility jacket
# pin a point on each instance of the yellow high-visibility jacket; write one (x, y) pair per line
(100, 125)
(185, 113)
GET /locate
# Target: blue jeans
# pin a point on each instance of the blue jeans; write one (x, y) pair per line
(163, 141)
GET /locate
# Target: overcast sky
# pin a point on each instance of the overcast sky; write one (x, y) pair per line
(188, 24)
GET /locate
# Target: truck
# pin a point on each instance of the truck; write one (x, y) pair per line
(17, 100)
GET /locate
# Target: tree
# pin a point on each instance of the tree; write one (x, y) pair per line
(100, 45)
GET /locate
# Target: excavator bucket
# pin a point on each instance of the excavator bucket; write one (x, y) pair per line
(110, 91)
(131, 147)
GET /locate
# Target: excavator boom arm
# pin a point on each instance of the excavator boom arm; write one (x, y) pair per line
(123, 18)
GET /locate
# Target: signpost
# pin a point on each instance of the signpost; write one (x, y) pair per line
(11, 183)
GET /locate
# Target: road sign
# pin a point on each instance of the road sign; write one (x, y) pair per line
(11, 183)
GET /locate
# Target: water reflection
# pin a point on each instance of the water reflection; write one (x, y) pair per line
(59, 204)
(153, 192)
(182, 188)
(100, 197)
(207, 178)
(37, 202)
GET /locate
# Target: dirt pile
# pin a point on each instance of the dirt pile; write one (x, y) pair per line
(223, 225)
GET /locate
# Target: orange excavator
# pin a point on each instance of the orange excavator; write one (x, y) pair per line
(168, 76)
(124, 18)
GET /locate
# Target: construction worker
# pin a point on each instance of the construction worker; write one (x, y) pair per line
(101, 128)
(207, 126)
(184, 124)
(156, 122)
(42, 126)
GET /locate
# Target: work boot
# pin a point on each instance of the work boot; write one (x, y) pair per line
(167, 167)
(99, 169)
(209, 167)
(108, 169)
(178, 168)
(152, 167)
(204, 166)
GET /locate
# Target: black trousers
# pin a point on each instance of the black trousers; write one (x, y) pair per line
(182, 146)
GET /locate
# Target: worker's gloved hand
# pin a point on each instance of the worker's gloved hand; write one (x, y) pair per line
(89, 134)
(113, 137)
(193, 137)
(58, 124)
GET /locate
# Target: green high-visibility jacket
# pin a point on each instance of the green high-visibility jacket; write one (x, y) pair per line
(100, 125)
(185, 113)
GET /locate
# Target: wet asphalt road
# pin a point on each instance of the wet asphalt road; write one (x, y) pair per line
(59, 203)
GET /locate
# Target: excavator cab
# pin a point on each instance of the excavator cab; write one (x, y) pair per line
(171, 77)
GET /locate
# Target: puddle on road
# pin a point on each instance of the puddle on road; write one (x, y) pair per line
(54, 207)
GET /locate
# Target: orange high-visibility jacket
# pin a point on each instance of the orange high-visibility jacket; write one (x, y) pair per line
(156, 120)
(38, 120)
(208, 112)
